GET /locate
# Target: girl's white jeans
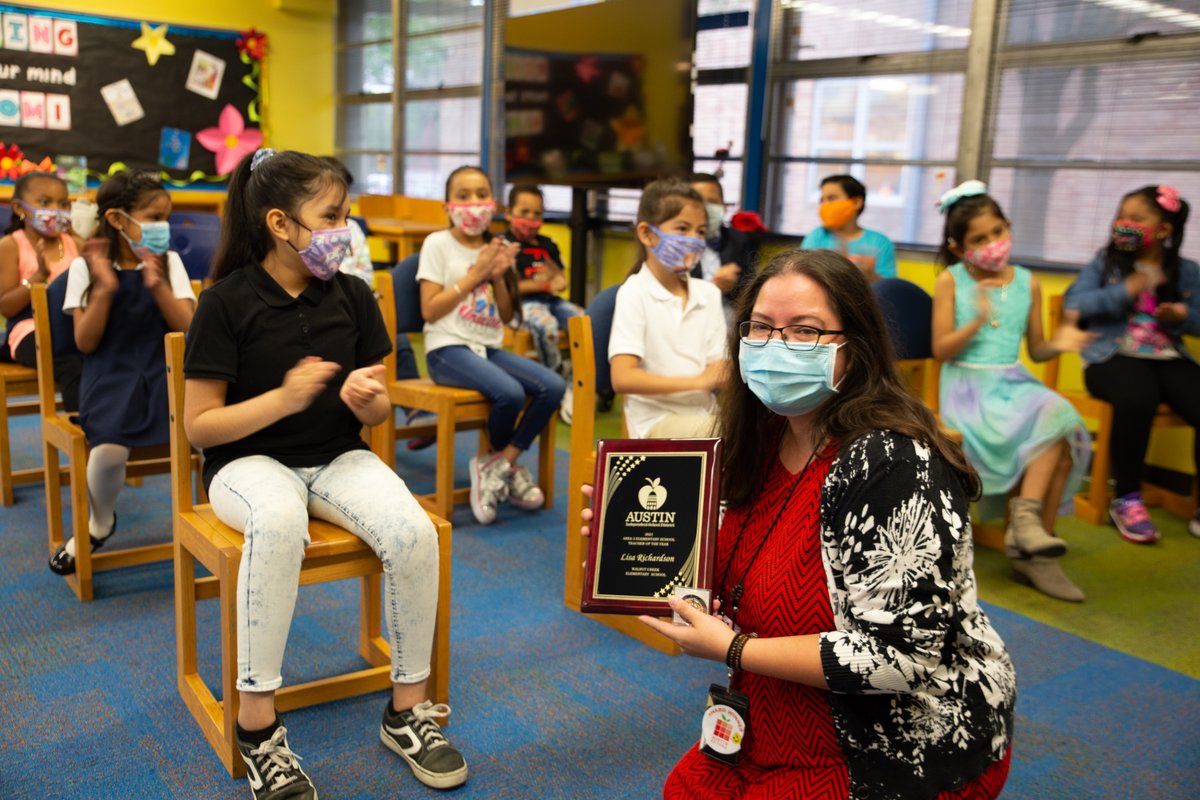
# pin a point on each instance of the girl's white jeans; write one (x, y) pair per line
(271, 504)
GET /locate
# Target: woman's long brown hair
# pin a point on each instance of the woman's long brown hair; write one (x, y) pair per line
(870, 397)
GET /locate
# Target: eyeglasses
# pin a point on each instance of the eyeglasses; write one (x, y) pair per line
(794, 337)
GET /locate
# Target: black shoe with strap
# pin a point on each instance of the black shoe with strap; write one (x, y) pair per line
(414, 736)
(63, 563)
(274, 770)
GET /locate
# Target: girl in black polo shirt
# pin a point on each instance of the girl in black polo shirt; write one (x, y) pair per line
(283, 370)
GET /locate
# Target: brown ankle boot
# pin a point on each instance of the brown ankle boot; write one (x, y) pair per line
(1046, 575)
(1025, 536)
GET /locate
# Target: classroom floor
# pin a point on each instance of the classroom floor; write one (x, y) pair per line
(549, 704)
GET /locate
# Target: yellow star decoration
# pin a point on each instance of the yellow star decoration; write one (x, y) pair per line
(154, 42)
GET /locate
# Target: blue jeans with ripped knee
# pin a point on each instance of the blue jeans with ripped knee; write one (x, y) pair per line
(271, 504)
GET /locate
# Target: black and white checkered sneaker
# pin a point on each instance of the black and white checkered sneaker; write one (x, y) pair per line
(414, 736)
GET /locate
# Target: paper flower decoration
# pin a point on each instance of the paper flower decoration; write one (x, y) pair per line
(153, 42)
(10, 161)
(27, 166)
(252, 44)
(229, 140)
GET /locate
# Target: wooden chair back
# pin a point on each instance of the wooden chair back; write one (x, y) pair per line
(583, 471)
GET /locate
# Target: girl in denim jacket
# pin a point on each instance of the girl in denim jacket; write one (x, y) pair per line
(1140, 297)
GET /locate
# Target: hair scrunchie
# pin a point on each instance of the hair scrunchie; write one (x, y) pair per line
(971, 188)
(260, 155)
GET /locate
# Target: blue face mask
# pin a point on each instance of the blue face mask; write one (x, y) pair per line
(156, 236)
(677, 252)
(789, 382)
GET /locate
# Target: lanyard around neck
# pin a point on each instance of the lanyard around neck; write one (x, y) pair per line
(738, 589)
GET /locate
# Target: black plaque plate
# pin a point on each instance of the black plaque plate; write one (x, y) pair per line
(654, 523)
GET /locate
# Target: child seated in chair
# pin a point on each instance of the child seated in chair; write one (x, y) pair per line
(282, 372)
(468, 294)
(37, 247)
(125, 294)
(539, 279)
(667, 347)
(1141, 297)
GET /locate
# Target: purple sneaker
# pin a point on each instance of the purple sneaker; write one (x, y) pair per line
(1132, 520)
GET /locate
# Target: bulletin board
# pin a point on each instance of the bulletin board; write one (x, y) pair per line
(96, 94)
(575, 114)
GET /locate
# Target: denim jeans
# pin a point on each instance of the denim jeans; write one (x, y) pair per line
(504, 379)
(547, 321)
(271, 504)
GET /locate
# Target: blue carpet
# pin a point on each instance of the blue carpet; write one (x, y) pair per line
(547, 704)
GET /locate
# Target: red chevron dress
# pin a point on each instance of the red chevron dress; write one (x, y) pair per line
(793, 751)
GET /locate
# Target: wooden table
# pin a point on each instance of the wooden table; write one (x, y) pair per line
(403, 237)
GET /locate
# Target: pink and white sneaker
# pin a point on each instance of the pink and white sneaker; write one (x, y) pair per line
(1132, 520)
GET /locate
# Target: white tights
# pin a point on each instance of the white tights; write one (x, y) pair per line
(105, 476)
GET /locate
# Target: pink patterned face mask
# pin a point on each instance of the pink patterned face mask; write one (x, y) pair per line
(525, 228)
(992, 256)
(326, 250)
(471, 218)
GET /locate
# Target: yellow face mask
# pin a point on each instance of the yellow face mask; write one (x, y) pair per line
(836, 213)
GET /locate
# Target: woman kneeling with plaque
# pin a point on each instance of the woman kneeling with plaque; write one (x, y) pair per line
(861, 664)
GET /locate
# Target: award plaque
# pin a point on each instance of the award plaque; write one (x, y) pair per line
(654, 523)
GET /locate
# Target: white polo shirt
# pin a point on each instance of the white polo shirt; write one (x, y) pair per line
(670, 338)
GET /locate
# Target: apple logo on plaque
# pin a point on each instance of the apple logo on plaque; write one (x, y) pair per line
(653, 495)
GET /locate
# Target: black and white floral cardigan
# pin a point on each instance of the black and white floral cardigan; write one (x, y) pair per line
(922, 688)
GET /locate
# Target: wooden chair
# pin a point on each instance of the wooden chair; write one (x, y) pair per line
(582, 471)
(61, 435)
(1092, 505)
(456, 409)
(333, 554)
(16, 381)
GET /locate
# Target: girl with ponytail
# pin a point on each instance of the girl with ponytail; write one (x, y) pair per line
(1141, 297)
(283, 369)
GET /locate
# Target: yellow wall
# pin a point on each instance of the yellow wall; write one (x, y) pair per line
(300, 64)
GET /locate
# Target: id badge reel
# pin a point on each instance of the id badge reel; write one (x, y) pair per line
(725, 725)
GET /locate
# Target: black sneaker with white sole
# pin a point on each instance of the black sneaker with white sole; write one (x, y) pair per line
(274, 770)
(414, 736)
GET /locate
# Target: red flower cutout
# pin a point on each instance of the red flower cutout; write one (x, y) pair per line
(10, 161)
(229, 140)
(253, 44)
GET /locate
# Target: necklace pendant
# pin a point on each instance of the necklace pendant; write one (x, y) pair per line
(995, 323)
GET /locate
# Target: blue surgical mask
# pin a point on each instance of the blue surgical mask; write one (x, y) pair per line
(789, 382)
(677, 252)
(156, 236)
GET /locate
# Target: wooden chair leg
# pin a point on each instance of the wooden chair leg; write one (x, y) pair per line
(6, 477)
(229, 693)
(81, 581)
(1092, 507)
(53, 481)
(443, 501)
(546, 446)
(439, 678)
(370, 628)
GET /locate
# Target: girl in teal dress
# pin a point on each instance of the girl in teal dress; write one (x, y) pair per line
(1023, 438)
